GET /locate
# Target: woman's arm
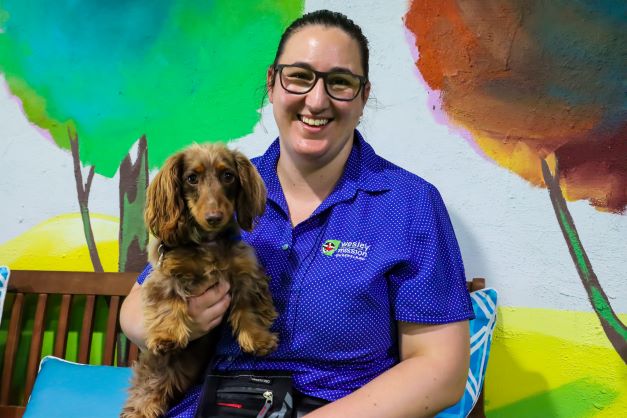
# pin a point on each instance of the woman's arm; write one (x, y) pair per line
(206, 311)
(430, 377)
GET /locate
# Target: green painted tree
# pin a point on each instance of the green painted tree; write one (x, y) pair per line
(166, 71)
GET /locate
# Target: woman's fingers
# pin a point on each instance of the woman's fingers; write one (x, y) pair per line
(207, 309)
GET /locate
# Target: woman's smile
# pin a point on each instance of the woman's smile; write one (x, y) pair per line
(312, 121)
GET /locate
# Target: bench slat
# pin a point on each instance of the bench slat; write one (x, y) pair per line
(74, 282)
(12, 411)
(13, 338)
(60, 343)
(87, 329)
(112, 328)
(133, 354)
(34, 355)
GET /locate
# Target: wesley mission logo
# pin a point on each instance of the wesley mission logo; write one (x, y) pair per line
(351, 249)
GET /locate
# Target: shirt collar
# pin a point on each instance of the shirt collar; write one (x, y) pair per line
(364, 170)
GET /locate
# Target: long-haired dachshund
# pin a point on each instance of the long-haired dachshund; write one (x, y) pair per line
(195, 208)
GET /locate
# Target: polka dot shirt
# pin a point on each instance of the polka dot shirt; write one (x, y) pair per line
(378, 250)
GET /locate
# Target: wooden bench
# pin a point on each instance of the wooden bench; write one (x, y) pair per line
(39, 288)
(43, 285)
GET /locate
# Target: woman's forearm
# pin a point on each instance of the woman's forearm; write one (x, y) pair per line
(414, 388)
(132, 317)
(431, 377)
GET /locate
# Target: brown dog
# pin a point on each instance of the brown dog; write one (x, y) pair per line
(195, 207)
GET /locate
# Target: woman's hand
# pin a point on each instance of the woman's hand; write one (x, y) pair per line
(207, 309)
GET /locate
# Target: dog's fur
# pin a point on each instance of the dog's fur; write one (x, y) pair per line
(195, 207)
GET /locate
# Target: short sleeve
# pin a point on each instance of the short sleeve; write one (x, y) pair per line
(142, 276)
(431, 286)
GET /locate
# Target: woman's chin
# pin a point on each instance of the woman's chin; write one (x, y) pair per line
(311, 148)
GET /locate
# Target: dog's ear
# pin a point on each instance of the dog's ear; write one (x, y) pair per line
(164, 201)
(251, 197)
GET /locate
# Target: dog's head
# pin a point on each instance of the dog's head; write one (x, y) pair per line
(199, 191)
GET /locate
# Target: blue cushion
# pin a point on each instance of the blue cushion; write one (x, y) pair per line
(481, 329)
(70, 390)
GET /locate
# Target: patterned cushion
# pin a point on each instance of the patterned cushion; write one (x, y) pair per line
(70, 390)
(481, 328)
(4, 284)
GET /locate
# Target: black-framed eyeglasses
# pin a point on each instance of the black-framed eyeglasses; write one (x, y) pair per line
(339, 85)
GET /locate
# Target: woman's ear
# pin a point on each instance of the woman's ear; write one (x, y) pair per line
(269, 82)
(164, 201)
(366, 93)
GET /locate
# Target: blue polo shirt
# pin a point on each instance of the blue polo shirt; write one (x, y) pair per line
(378, 250)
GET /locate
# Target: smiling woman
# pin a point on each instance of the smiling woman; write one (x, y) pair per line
(369, 296)
(315, 129)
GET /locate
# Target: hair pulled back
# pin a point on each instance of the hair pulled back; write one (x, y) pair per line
(329, 19)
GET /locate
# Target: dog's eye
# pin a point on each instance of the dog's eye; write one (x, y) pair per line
(192, 179)
(228, 177)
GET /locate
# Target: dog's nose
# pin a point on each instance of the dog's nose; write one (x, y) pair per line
(214, 218)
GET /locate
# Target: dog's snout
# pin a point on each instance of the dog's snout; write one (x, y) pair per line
(214, 218)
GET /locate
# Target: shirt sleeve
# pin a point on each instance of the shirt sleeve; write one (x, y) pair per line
(430, 287)
(144, 274)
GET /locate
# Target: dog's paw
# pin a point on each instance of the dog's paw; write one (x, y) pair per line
(129, 412)
(149, 407)
(259, 344)
(267, 345)
(164, 345)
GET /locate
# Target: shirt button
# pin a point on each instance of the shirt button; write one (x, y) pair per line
(285, 247)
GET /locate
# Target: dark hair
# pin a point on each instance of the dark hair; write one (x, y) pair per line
(329, 19)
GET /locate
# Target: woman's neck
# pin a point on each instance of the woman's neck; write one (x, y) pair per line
(307, 183)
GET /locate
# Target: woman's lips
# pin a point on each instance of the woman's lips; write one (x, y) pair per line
(315, 122)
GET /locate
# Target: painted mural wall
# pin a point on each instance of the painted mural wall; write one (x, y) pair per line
(515, 110)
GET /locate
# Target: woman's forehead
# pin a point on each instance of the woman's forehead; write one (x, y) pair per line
(323, 48)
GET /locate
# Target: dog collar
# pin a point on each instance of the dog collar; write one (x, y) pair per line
(162, 248)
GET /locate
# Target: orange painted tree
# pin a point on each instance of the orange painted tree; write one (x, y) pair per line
(541, 88)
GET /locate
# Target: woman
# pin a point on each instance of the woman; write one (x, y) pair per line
(365, 270)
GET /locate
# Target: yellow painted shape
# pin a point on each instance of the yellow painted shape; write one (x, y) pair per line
(59, 244)
(516, 156)
(538, 350)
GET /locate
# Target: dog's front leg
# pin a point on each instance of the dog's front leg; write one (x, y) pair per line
(166, 320)
(252, 313)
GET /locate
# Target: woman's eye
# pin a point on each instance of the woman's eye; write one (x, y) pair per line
(228, 177)
(300, 75)
(192, 179)
(339, 81)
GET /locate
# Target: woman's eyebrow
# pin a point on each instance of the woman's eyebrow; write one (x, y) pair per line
(332, 70)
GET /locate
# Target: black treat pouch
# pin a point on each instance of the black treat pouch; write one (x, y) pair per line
(246, 394)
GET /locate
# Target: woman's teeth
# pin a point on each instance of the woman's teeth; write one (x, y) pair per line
(314, 122)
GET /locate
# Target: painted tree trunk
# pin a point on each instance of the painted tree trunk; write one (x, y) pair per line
(133, 237)
(82, 191)
(614, 329)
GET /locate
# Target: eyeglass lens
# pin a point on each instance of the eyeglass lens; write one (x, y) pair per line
(339, 85)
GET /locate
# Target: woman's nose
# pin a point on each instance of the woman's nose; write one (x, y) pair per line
(317, 98)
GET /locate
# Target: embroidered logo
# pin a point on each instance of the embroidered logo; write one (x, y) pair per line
(351, 249)
(330, 246)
